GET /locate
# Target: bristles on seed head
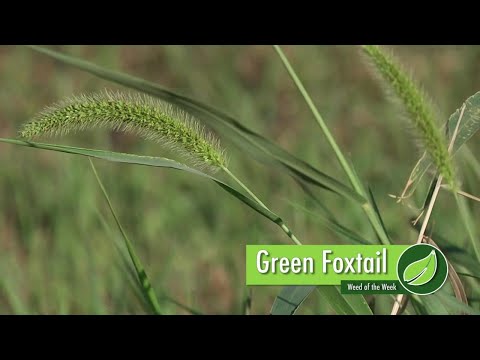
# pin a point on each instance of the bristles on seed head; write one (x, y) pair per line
(416, 105)
(142, 115)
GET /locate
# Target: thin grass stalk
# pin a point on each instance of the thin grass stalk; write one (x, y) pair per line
(146, 286)
(367, 206)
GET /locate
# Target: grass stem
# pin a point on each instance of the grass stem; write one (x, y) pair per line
(367, 207)
(283, 226)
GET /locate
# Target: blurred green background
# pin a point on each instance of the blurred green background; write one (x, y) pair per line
(57, 255)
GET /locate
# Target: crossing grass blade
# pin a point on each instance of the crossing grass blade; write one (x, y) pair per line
(11, 295)
(314, 200)
(471, 160)
(457, 285)
(180, 305)
(463, 259)
(344, 304)
(247, 302)
(454, 305)
(442, 303)
(132, 280)
(124, 264)
(147, 161)
(250, 142)
(379, 215)
(428, 305)
(142, 276)
(430, 192)
(289, 299)
(468, 222)
(468, 275)
(332, 224)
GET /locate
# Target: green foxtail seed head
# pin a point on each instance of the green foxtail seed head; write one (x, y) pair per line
(417, 106)
(139, 114)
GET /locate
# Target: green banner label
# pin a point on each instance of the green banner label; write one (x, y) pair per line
(368, 269)
(320, 264)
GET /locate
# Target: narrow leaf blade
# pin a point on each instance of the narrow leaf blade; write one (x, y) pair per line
(344, 304)
(147, 161)
(290, 299)
(141, 273)
(333, 225)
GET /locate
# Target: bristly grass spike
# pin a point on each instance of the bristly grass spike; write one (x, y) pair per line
(417, 106)
(142, 115)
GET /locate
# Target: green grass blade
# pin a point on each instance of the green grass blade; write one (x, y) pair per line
(250, 142)
(184, 307)
(336, 149)
(17, 305)
(124, 264)
(430, 192)
(429, 305)
(126, 268)
(312, 176)
(469, 223)
(378, 215)
(468, 275)
(418, 306)
(247, 303)
(314, 200)
(470, 121)
(289, 299)
(471, 160)
(292, 297)
(142, 276)
(442, 303)
(332, 225)
(344, 304)
(462, 258)
(147, 161)
(455, 306)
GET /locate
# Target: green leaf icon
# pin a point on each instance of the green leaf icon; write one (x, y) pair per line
(421, 271)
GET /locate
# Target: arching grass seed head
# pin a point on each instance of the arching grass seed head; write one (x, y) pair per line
(142, 115)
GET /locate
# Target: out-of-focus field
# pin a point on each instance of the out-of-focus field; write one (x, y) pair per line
(56, 252)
